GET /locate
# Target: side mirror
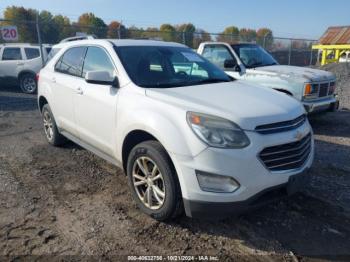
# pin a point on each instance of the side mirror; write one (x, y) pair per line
(101, 78)
(231, 64)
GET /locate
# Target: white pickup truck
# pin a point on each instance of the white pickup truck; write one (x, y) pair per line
(249, 62)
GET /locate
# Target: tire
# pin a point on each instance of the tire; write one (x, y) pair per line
(28, 84)
(152, 153)
(50, 127)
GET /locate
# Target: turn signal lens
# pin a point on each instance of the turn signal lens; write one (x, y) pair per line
(308, 89)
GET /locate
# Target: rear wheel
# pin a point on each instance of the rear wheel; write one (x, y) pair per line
(28, 83)
(50, 127)
(153, 181)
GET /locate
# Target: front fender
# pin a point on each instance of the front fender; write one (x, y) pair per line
(171, 130)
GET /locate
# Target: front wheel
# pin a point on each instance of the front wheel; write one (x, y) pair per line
(153, 181)
(28, 83)
(52, 134)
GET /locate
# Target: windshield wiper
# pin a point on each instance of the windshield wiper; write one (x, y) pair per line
(255, 65)
(211, 81)
(274, 63)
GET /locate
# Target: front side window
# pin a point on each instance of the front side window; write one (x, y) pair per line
(218, 54)
(97, 60)
(253, 55)
(32, 53)
(12, 53)
(167, 66)
(71, 62)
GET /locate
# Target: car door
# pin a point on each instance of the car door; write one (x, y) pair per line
(33, 59)
(96, 105)
(218, 54)
(11, 62)
(66, 81)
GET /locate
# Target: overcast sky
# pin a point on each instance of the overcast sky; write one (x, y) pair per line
(287, 18)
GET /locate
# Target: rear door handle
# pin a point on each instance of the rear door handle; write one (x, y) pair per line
(79, 91)
(20, 63)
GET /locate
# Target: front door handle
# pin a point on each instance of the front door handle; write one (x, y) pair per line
(20, 63)
(80, 91)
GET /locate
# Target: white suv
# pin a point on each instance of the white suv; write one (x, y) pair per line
(19, 64)
(186, 134)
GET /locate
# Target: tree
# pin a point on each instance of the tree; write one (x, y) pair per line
(186, 32)
(153, 33)
(49, 29)
(264, 37)
(200, 36)
(91, 24)
(247, 35)
(63, 25)
(167, 32)
(116, 30)
(24, 19)
(229, 35)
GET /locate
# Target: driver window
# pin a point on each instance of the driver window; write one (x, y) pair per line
(96, 59)
(217, 55)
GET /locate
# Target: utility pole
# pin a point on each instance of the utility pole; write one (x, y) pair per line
(119, 29)
(39, 39)
(290, 52)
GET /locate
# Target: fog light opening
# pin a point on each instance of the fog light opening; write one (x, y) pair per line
(216, 183)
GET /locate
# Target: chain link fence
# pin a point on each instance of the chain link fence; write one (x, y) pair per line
(287, 51)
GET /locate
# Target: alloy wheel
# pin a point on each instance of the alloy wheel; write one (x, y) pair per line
(148, 183)
(48, 125)
(29, 84)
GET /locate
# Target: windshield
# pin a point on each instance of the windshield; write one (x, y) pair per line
(167, 66)
(253, 55)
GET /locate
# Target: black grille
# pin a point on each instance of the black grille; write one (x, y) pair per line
(281, 126)
(287, 156)
(323, 90)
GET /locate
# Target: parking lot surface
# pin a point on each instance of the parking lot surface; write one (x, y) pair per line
(66, 201)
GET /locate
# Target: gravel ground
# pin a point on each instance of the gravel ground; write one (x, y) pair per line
(67, 202)
(342, 71)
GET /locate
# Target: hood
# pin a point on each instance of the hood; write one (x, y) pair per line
(246, 105)
(297, 73)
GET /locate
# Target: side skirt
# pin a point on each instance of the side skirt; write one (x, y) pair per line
(92, 149)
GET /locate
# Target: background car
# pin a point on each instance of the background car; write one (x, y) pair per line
(19, 64)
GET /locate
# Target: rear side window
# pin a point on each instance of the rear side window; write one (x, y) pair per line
(71, 62)
(12, 53)
(97, 60)
(32, 53)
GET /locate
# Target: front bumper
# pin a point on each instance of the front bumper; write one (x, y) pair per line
(243, 165)
(326, 104)
(214, 210)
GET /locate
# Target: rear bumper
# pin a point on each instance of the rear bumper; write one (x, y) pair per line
(220, 210)
(327, 104)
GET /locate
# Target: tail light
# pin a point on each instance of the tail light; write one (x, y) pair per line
(37, 77)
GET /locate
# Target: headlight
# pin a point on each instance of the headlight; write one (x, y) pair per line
(216, 131)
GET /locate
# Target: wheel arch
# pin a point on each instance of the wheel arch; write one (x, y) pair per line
(27, 71)
(132, 139)
(41, 102)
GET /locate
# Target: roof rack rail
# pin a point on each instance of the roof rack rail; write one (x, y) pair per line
(76, 38)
